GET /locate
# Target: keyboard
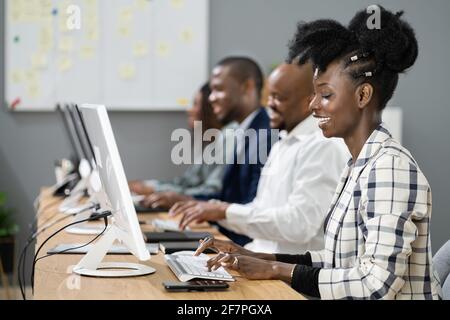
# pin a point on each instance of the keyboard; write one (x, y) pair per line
(166, 225)
(188, 267)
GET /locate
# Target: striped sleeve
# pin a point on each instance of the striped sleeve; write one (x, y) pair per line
(393, 196)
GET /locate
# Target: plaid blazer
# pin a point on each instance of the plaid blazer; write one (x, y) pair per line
(377, 232)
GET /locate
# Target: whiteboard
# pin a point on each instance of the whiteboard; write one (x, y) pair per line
(126, 54)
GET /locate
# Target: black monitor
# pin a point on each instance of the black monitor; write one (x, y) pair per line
(82, 136)
(87, 141)
(77, 152)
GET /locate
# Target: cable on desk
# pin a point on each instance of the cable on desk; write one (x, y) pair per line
(23, 255)
(22, 259)
(103, 215)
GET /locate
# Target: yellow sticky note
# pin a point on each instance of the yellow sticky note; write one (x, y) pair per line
(17, 76)
(184, 102)
(140, 49)
(64, 64)
(45, 39)
(30, 11)
(125, 15)
(15, 11)
(87, 52)
(66, 44)
(90, 3)
(63, 27)
(46, 7)
(163, 49)
(124, 30)
(30, 76)
(91, 20)
(187, 35)
(39, 60)
(141, 4)
(92, 33)
(34, 90)
(127, 71)
(177, 4)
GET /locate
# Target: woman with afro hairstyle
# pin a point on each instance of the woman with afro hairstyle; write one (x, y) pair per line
(377, 232)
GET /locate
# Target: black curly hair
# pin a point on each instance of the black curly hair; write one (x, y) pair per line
(374, 56)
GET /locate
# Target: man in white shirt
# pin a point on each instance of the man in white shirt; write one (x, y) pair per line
(297, 182)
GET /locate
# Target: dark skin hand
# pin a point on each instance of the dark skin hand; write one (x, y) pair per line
(198, 211)
(163, 200)
(140, 188)
(252, 265)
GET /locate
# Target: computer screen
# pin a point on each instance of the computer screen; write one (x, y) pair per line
(81, 133)
(77, 152)
(113, 179)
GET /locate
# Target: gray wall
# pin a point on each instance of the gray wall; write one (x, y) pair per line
(30, 142)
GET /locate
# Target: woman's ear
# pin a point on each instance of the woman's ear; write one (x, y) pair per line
(364, 94)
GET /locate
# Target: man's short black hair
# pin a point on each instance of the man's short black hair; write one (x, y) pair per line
(244, 68)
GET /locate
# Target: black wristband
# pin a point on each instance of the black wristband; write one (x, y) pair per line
(305, 279)
(304, 259)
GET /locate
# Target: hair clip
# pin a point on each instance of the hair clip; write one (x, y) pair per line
(368, 74)
(356, 57)
(316, 73)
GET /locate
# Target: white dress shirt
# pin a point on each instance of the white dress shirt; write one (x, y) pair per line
(294, 192)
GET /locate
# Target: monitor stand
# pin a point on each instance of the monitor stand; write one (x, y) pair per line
(91, 265)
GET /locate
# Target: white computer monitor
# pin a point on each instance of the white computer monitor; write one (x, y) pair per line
(124, 225)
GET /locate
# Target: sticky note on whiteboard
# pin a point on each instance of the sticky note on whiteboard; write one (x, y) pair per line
(87, 52)
(162, 49)
(66, 44)
(127, 71)
(65, 64)
(17, 76)
(140, 49)
(184, 102)
(39, 60)
(187, 35)
(177, 4)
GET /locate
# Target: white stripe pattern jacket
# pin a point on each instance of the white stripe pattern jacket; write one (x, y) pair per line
(377, 232)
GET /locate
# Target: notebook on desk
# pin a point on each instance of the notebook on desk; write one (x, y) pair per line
(171, 236)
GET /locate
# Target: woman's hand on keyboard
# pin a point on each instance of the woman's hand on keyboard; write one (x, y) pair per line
(249, 267)
(222, 246)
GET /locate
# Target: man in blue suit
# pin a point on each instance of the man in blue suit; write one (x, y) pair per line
(236, 86)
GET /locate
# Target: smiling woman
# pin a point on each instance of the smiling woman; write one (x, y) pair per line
(377, 239)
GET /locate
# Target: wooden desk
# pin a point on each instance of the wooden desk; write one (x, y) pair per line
(54, 279)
